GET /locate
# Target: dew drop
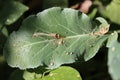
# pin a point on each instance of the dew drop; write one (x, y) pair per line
(113, 48)
(67, 53)
(8, 20)
(78, 76)
(51, 63)
(14, 45)
(112, 33)
(91, 45)
(71, 53)
(76, 59)
(51, 74)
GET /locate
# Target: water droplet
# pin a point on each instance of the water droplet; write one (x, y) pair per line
(51, 74)
(112, 33)
(69, 53)
(113, 48)
(78, 75)
(51, 62)
(14, 45)
(60, 41)
(8, 20)
(91, 45)
(76, 59)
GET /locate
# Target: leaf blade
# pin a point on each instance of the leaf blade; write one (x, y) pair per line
(75, 43)
(114, 56)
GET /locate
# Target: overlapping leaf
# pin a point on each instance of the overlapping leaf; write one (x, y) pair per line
(10, 11)
(61, 73)
(65, 73)
(112, 11)
(53, 37)
(114, 56)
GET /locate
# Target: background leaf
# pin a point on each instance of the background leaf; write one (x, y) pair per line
(114, 56)
(11, 11)
(53, 37)
(112, 11)
(54, 3)
(62, 73)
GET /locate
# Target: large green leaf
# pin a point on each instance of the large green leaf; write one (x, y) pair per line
(61, 73)
(114, 56)
(53, 37)
(10, 11)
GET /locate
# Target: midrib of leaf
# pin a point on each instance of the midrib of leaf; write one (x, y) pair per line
(69, 37)
(43, 48)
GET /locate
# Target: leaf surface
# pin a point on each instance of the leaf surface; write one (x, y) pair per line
(54, 37)
(63, 73)
(114, 56)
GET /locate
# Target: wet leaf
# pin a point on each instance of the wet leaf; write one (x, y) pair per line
(114, 56)
(54, 37)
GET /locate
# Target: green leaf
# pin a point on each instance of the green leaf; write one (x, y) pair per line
(112, 11)
(3, 36)
(114, 56)
(4, 31)
(63, 73)
(29, 74)
(10, 11)
(54, 3)
(93, 13)
(32, 74)
(54, 37)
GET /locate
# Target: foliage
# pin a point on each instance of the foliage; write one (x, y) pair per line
(40, 39)
(113, 56)
(37, 74)
(10, 11)
(59, 36)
